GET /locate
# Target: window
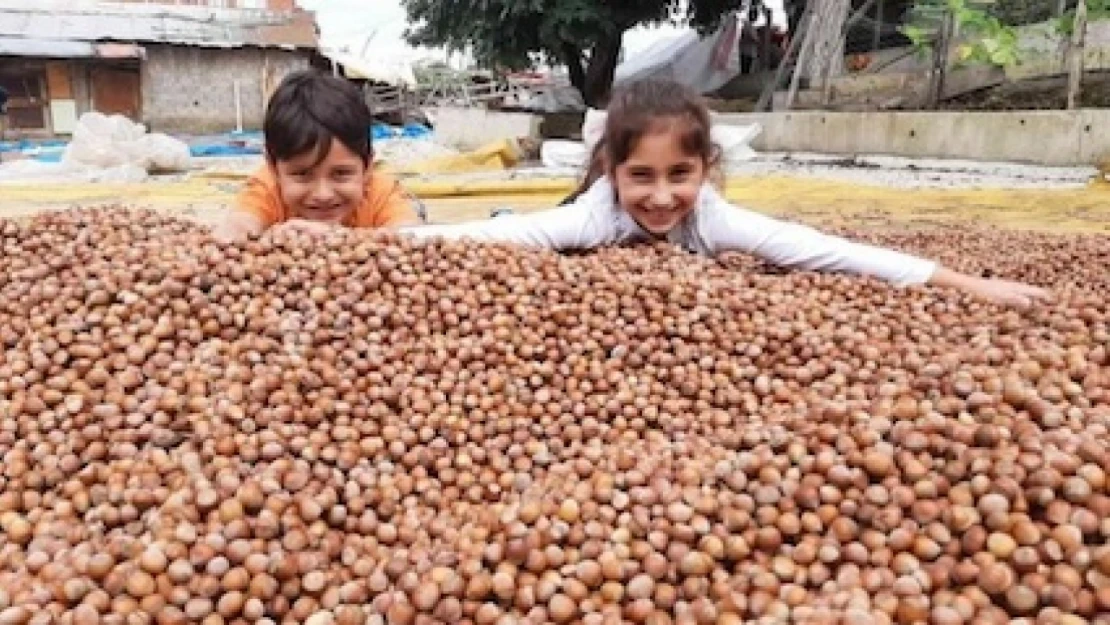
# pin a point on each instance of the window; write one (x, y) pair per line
(27, 103)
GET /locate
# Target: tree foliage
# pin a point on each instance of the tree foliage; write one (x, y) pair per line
(986, 39)
(1019, 12)
(583, 35)
(1096, 10)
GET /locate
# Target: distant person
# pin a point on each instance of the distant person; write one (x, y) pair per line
(3, 112)
(319, 170)
(651, 179)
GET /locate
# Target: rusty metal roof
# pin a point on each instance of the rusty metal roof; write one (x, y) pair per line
(146, 23)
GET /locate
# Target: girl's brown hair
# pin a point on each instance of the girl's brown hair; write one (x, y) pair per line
(645, 106)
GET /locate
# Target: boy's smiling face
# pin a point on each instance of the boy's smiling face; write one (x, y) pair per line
(326, 190)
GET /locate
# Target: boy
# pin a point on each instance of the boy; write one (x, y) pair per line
(319, 166)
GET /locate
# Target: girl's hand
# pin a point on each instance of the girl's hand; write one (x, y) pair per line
(1008, 293)
(1004, 292)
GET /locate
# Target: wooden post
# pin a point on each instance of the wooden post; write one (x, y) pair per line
(835, 60)
(803, 57)
(858, 15)
(760, 65)
(878, 28)
(765, 98)
(940, 60)
(1076, 54)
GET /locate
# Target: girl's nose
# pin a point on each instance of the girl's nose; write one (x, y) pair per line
(662, 197)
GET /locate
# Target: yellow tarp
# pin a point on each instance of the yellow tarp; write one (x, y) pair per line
(807, 199)
(496, 156)
(493, 157)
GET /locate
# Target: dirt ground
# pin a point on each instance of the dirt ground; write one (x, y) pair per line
(1035, 94)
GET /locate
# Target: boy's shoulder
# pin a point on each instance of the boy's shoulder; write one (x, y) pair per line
(263, 176)
(386, 202)
(381, 179)
(380, 187)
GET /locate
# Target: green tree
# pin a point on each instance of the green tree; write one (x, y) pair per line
(986, 38)
(1018, 12)
(583, 35)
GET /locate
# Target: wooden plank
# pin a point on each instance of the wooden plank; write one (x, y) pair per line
(940, 60)
(59, 84)
(1075, 53)
(767, 97)
(803, 57)
(115, 90)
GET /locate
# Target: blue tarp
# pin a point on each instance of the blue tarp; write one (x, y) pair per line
(52, 155)
(235, 143)
(28, 145)
(224, 150)
(246, 143)
(380, 132)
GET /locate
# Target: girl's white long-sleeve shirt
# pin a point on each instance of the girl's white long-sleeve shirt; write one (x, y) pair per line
(595, 219)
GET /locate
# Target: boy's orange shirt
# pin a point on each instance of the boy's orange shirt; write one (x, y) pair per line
(384, 203)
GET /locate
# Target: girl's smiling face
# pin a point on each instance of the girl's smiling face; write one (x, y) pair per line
(659, 182)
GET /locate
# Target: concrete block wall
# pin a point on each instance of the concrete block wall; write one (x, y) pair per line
(191, 89)
(1059, 138)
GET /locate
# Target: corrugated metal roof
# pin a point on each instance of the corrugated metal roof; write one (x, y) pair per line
(391, 71)
(139, 23)
(23, 46)
(53, 48)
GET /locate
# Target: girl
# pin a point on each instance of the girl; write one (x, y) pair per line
(656, 159)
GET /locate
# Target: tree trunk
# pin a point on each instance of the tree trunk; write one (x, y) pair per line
(600, 71)
(572, 57)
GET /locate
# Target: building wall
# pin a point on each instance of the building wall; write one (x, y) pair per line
(82, 90)
(25, 82)
(189, 89)
(1053, 138)
(64, 89)
(277, 5)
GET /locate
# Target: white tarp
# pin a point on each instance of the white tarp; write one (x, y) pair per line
(558, 99)
(106, 141)
(383, 68)
(734, 142)
(106, 148)
(702, 64)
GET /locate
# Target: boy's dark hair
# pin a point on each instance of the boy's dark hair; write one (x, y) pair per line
(642, 107)
(308, 110)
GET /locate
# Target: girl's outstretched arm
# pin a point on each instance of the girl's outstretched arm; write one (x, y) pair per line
(585, 224)
(723, 226)
(994, 290)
